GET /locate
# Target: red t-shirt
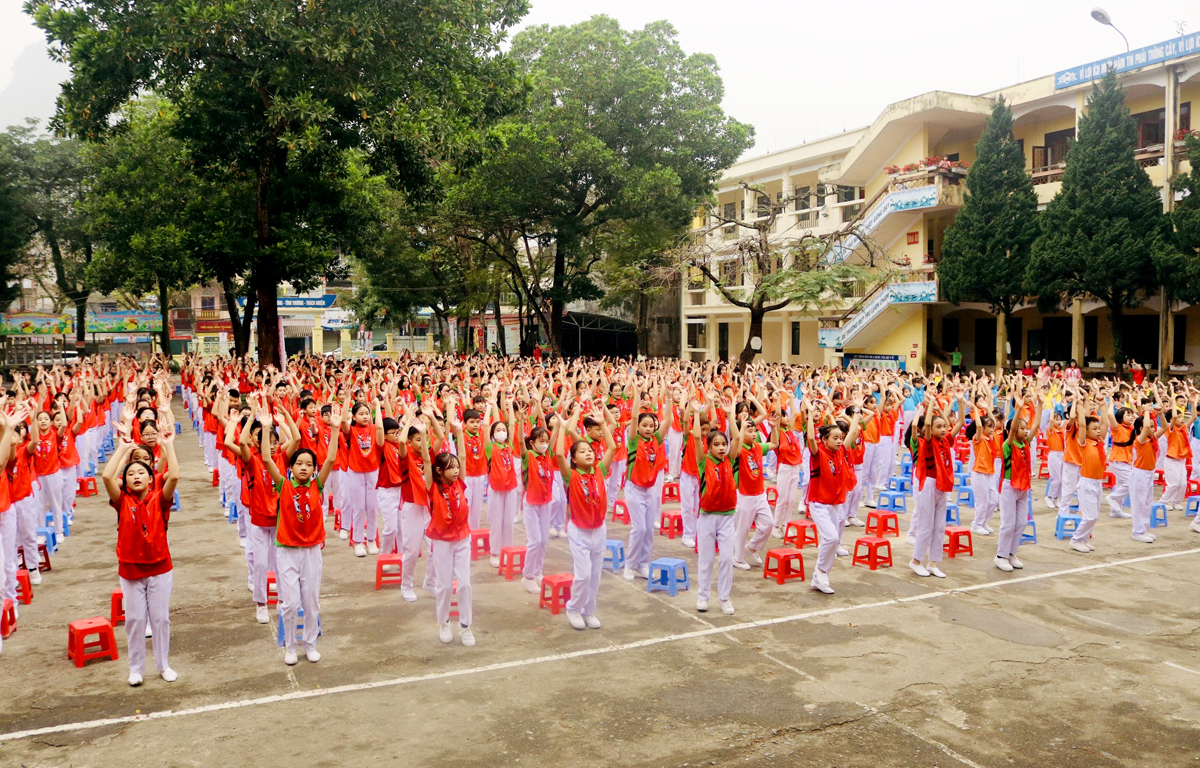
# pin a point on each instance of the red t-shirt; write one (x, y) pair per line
(142, 549)
(363, 452)
(539, 478)
(827, 475)
(45, 456)
(299, 522)
(391, 471)
(448, 512)
(586, 498)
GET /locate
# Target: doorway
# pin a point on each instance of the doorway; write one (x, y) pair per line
(723, 341)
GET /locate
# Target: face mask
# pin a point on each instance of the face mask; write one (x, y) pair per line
(500, 436)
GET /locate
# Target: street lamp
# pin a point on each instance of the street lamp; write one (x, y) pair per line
(1101, 15)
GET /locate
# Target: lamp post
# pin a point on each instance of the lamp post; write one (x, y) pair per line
(1101, 15)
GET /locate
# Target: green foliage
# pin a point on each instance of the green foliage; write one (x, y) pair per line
(986, 252)
(1182, 272)
(15, 227)
(1104, 233)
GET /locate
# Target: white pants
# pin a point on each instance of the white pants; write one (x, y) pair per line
(713, 530)
(299, 580)
(1141, 494)
(751, 510)
(476, 487)
(451, 561)
(588, 548)
(885, 458)
(148, 599)
(788, 487)
(930, 529)
(50, 500)
(1089, 508)
(414, 519)
(830, 520)
(231, 484)
(69, 477)
(612, 483)
(1070, 482)
(358, 494)
(558, 503)
(987, 497)
(261, 542)
(537, 533)
(854, 495)
(337, 477)
(867, 477)
(1121, 470)
(29, 519)
(644, 504)
(502, 512)
(1175, 473)
(674, 452)
(8, 555)
(1195, 446)
(1014, 515)
(388, 500)
(1055, 486)
(689, 503)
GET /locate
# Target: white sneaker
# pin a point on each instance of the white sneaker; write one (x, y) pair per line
(343, 534)
(910, 540)
(531, 586)
(289, 658)
(1089, 546)
(408, 594)
(726, 607)
(989, 529)
(135, 679)
(494, 560)
(1003, 564)
(149, 631)
(372, 549)
(870, 505)
(1119, 515)
(169, 675)
(935, 571)
(1051, 503)
(918, 569)
(445, 634)
(689, 543)
(468, 640)
(592, 621)
(1143, 537)
(754, 558)
(1015, 563)
(843, 552)
(741, 565)
(242, 543)
(629, 574)
(1080, 547)
(856, 523)
(644, 572)
(35, 577)
(701, 605)
(261, 615)
(1195, 526)
(820, 582)
(360, 550)
(576, 620)
(977, 531)
(777, 532)
(1152, 536)
(313, 656)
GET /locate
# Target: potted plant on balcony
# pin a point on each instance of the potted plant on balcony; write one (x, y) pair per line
(1183, 367)
(1097, 363)
(891, 170)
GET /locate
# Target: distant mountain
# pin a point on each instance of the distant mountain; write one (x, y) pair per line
(34, 87)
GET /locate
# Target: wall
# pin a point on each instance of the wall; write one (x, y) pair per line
(909, 331)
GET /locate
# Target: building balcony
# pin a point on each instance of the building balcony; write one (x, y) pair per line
(208, 314)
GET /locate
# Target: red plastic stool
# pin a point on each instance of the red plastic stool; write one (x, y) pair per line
(117, 607)
(1160, 477)
(883, 523)
(670, 492)
(954, 545)
(24, 588)
(556, 591)
(785, 558)
(620, 513)
(801, 533)
(8, 618)
(512, 560)
(104, 646)
(1109, 480)
(879, 552)
(382, 575)
(481, 543)
(43, 558)
(454, 600)
(216, 478)
(772, 496)
(272, 589)
(1193, 487)
(671, 523)
(86, 486)
(337, 520)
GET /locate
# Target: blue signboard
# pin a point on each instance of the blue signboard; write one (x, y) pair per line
(1184, 45)
(301, 302)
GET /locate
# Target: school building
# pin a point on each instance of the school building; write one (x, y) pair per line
(896, 186)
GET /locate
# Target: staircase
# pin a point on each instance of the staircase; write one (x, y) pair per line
(913, 289)
(918, 191)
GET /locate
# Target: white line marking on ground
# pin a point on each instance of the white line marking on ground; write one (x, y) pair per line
(1185, 669)
(584, 653)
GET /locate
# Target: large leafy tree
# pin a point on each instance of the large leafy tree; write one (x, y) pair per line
(15, 226)
(986, 251)
(620, 125)
(1104, 233)
(638, 268)
(1182, 273)
(276, 91)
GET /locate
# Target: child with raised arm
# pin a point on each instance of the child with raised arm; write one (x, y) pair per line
(718, 502)
(449, 534)
(933, 473)
(587, 506)
(1016, 488)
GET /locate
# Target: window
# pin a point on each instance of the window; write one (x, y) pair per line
(208, 303)
(697, 335)
(729, 211)
(730, 273)
(953, 158)
(1057, 144)
(795, 337)
(1185, 118)
(1151, 127)
(695, 279)
(762, 207)
(848, 194)
(803, 198)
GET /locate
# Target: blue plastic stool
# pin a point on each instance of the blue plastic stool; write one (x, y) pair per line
(967, 495)
(90, 471)
(892, 501)
(1158, 515)
(66, 524)
(175, 503)
(958, 466)
(901, 484)
(299, 628)
(51, 538)
(962, 479)
(178, 428)
(1193, 506)
(1066, 524)
(615, 558)
(668, 573)
(952, 514)
(231, 512)
(1029, 535)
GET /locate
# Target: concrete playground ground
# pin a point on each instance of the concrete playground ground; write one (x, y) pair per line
(1078, 660)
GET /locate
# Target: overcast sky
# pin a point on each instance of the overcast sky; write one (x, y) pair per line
(796, 70)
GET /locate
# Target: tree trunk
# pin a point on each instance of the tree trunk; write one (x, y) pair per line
(164, 335)
(1001, 343)
(1116, 319)
(643, 325)
(561, 249)
(80, 301)
(756, 325)
(501, 342)
(264, 272)
(240, 323)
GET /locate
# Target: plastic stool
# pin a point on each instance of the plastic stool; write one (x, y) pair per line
(1029, 535)
(43, 558)
(556, 591)
(671, 523)
(272, 589)
(1066, 524)
(66, 525)
(1109, 480)
(789, 564)
(952, 514)
(86, 486)
(1193, 506)
(669, 574)
(967, 495)
(772, 497)
(481, 543)
(615, 558)
(382, 575)
(299, 627)
(883, 523)
(231, 512)
(800, 533)
(51, 539)
(892, 501)
(175, 502)
(8, 618)
(620, 513)
(104, 646)
(955, 544)
(116, 608)
(670, 492)
(512, 559)
(1158, 515)
(178, 428)
(879, 552)
(901, 484)
(24, 587)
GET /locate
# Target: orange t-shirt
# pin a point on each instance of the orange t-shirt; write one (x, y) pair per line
(1054, 440)
(1145, 455)
(1092, 464)
(985, 458)
(1121, 454)
(1071, 454)
(1177, 444)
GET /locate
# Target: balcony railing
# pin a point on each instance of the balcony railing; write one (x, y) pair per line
(1146, 157)
(808, 219)
(208, 314)
(851, 211)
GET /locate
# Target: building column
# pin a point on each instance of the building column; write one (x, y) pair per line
(1077, 331)
(1001, 343)
(786, 356)
(345, 342)
(711, 344)
(1166, 328)
(318, 337)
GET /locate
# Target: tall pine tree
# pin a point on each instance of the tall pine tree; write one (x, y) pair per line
(986, 251)
(1104, 233)
(1182, 274)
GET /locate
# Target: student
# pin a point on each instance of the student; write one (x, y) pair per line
(643, 490)
(43, 448)
(587, 505)
(933, 472)
(504, 493)
(828, 486)
(537, 465)
(449, 535)
(752, 506)
(414, 513)
(299, 537)
(8, 515)
(1089, 434)
(1015, 487)
(1141, 475)
(68, 424)
(1120, 459)
(470, 443)
(983, 472)
(391, 478)
(789, 450)
(363, 454)
(1179, 451)
(718, 502)
(689, 477)
(143, 555)
(19, 471)
(1055, 447)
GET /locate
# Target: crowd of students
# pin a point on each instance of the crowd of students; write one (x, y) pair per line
(413, 455)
